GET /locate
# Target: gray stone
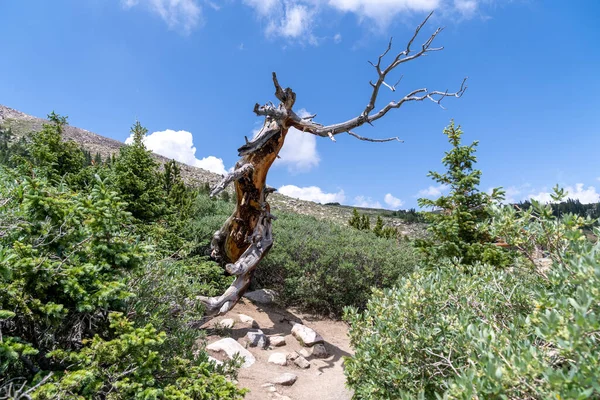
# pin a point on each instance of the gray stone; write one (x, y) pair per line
(305, 335)
(257, 338)
(262, 296)
(278, 359)
(230, 347)
(301, 362)
(286, 379)
(319, 351)
(277, 341)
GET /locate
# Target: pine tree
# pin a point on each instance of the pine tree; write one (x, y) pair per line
(51, 155)
(365, 223)
(137, 178)
(456, 225)
(378, 229)
(355, 220)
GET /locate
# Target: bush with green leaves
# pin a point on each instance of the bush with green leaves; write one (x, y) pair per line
(526, 332)
(70, 258)
(323, 267)
(133, 366)
(62, 260)
(457, 226)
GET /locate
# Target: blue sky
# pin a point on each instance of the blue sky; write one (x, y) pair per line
(192, 70)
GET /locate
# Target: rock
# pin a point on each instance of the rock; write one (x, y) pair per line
(281, 397)
(305, 335)
(214, 360)
(278, 359)
(245, 319)
(257, 338)
(286, 379)
(262, 296)
(227, 323)
(305, 352)
(301, 362)
(319, 351)
(277, 341)
(230, 347)
(293, 355)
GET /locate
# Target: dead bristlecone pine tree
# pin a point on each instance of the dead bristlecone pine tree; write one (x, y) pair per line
(246, 236)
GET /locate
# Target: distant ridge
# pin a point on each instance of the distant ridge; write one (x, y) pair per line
(21, 124)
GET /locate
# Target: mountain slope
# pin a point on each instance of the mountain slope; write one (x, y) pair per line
(21, 124)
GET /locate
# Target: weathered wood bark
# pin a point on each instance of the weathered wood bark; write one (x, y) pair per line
(246, 236)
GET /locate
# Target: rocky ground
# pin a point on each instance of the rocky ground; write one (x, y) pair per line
(288, 355)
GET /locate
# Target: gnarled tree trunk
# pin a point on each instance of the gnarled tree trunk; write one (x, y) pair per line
(246, 236)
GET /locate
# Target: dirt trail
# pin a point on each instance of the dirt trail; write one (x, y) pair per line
(324, 380)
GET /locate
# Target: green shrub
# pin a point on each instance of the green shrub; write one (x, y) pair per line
(323, 267)
(527, 332)
(411, 339)
(133, 366)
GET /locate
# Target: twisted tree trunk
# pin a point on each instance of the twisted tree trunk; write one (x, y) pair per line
(246, 236)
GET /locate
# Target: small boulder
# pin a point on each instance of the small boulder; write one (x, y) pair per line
(277, 341)
(257, 338)
(286, 379)
(301, 362)
(247, 320)
(305, 335)
(319, 351)
(305, 352)
(278, 359)
(262, 296)
(226, 323)
(230, 347)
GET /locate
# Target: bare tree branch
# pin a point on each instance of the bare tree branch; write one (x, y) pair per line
(382, 73)
(233, 176)
(375, 140)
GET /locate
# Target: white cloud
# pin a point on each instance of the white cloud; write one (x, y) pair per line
(263, 7)
(337, 38)
(180, 15)
(433, 191)
(312, 193)
(366, 202)
(293, 21)
(578, 192)
(383, 11)
(179, 145)
(299, 151)
(392, 201)
(466, 7)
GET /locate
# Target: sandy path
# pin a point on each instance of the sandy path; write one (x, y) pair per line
(324, 380)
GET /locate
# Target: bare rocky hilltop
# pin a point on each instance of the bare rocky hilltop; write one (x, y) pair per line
(21, 124)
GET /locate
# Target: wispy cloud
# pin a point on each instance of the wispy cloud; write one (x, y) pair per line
(179, 145)
(298, 20)
(312, 193)
(433, 191)
(392, 201)
(179, 15)
(366, 202)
